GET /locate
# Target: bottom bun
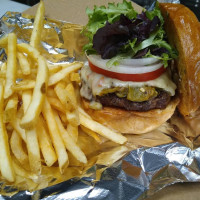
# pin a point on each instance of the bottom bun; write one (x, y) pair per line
(131, 122)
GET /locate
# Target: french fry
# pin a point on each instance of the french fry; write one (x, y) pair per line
(10, 109)
(32, 140)
(51, 93)
(91, 133)
(45, 143)
(62, 95)
(56, 104)
(73, 131)
(19, 170)
(89, 123)
(26, 99)
(19, 73)
(74, 76)
(7, 170)
(24, 85)
(71, 95)
(55, 136)
(30, 184)
(63, 117)
(9, 127)
(11, 65)
(29, 120)
(38, 26)
(17, 148)
(33, 150)
(24, 64)
(73, 118)
(69, 142)
(54, 68)
(19, 130)
(32, 74)
(55, 78)
(65, 80)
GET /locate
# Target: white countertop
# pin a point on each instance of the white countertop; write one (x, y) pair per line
(8, 5)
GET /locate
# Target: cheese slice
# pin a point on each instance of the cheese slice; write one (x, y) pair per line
(93, 83)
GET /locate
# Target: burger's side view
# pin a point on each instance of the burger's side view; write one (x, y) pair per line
(127, 83)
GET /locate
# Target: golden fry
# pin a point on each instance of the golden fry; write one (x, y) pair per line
(55, 103)
(73, 118)
(38, 26)
(19, 170)
(63, 96)
(54, 68)
(10, 109)
(55, 136)
(71, 95)
(24, 85)
(24, 64)
(29, 120)
(32, 74)
(73, 131)
(17, 148)
(89, 123)
(11, 65)
(45, 144)
(55, 78)
(69, 142)
(63, 117)
(26, 99)
(91, 133)
(74, 76)
(31, 139)
(51, 93)
(19, 73)
(33, 150)
(19, 130)
(7, 170)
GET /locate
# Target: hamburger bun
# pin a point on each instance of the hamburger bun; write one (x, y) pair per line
(182, 28)
(131, 122)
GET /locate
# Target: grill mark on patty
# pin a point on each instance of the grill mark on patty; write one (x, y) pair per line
(112, 100)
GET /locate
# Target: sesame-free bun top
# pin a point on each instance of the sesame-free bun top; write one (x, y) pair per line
(183, 32)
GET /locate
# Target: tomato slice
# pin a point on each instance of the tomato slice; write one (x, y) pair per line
(129, 77)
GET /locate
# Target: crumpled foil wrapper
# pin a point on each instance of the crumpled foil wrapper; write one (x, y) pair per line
(146, 164)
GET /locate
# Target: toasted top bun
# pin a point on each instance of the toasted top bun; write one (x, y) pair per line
(131, 122)
(182, 28)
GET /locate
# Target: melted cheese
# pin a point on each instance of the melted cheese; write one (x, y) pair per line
(93, 83)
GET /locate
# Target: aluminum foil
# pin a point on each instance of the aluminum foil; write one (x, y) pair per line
(116, 173)
(139, 175)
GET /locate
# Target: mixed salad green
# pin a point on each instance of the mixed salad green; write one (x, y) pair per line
(117, 32)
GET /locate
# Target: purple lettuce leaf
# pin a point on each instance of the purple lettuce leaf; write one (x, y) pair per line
(111, 39)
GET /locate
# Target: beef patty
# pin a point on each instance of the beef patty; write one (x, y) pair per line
(112, 100)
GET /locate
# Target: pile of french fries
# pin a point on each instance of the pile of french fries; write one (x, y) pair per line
(40, 112)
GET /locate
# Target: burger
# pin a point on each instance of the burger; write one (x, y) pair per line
(127, 82)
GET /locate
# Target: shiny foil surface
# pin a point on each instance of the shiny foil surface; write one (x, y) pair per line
(146, 164)
(137, 176)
